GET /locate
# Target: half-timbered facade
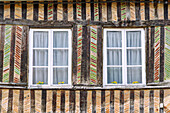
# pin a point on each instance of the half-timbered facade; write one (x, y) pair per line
(54, 56)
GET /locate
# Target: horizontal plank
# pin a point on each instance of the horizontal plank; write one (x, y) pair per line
(64, 24)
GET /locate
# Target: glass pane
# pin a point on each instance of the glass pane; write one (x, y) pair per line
(134, 75)
(60, 57)
(40, 39)
(133, 39)
(114, 39)
(40, 75)
(60, 76)
(114, 57)
(134, 57)
(40, 57)
(114, 75)
(60, 39)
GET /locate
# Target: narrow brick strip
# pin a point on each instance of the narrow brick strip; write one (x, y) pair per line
(116, 101)
(18, 11)
(114, 11)
(67, 93)
(41, 11)
(98, 101)
(30, 11)
(137, 101)
(16, 95)
(50, 11)
(146, 101)
(79, 10)
(4, 102)
(70, 11)
(17, 56)
(88, 10)
(104, 11)
(58, 101)
(79, 52)
(142, 10)
(49, 101)
(89, 101)
(77, 109)
(38, 97)
(6, 58)
(127, 101)
(27, 101)
(60, 11)
(156, 100)
(6, 10)
(107, 101)
(152, 11)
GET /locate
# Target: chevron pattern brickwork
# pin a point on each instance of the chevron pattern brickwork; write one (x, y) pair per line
(50, 11)
(79, 52)
(93, 54)
(157, 54)
(17, 57)
(7, 46)
(167, 53)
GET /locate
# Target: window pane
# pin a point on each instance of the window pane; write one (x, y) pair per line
(60, 57)
(133, 39)
(134, 74)
(40, 57)
(40, 39)
(60, 39)
(40, 74)
(134, 57)
(114, 57)
(60, 75)
(114, 39)
(114, 74)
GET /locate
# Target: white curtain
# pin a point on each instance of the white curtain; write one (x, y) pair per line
(60, 57)
(40, 57)
(134, 57)
(114, 56)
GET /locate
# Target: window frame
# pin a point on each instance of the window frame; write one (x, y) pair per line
(124, 57)
(50, 58)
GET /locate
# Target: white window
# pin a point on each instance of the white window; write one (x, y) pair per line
(50, 57)
(124, 57)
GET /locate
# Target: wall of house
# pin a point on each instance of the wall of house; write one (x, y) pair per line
(87, 21)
